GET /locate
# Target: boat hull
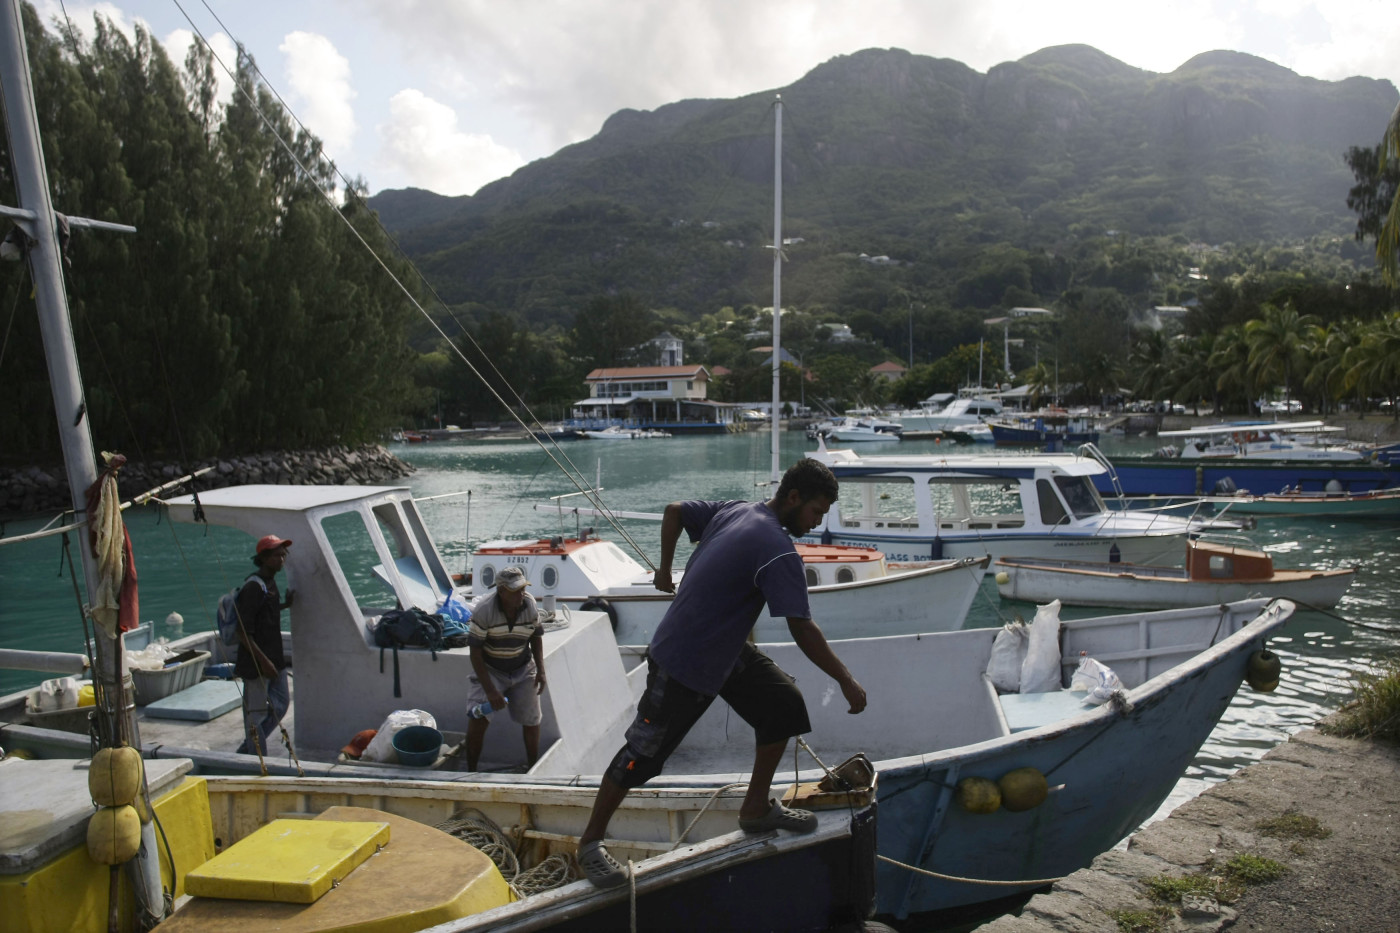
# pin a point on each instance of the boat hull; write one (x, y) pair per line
(1134, 547)
(1384, 504)
(1171, 476)
(1123, 587)
(926, 599)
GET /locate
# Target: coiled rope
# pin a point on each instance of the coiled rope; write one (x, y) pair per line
(1029, 882)
(478, 830)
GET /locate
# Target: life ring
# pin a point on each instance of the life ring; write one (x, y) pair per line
(599, 604)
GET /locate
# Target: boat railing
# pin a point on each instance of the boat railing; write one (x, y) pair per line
(1091, 450)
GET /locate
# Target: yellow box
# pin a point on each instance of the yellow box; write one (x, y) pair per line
(288, 861)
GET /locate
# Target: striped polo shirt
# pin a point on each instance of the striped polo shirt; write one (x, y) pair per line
(506, 644)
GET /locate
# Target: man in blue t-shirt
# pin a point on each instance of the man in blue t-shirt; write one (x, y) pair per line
(744, 558)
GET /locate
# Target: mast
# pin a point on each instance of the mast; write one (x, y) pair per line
(777, 280)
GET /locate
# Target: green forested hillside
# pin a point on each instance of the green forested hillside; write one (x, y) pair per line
(920, 159)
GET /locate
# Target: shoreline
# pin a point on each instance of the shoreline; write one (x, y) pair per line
(1340, 875)
(26, 492)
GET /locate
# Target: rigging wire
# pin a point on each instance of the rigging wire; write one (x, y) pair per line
(571, 472)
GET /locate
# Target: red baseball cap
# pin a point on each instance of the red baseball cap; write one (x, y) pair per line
(271, 543)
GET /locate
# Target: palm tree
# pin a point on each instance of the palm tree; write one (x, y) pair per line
(1190, 375)
(1151, 359)
(1277, 345)
(1374, 362)
(1388, 240)
(1040, 380)
(1327, 347)
(1229, 357)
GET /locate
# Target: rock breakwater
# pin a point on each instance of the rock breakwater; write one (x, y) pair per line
(26, 490)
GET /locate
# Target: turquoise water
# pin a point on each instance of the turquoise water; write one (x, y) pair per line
(184, 568)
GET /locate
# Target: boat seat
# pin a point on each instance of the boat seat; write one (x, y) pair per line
(1025, 711)
(421, 878)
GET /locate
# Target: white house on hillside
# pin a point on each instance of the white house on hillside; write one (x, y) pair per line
(671, 398)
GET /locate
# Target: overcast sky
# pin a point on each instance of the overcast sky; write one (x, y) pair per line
(448, 95)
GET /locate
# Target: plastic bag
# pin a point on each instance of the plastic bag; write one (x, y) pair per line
(153, 657)
(456, 609)
(381, 747)
(56, 694)
(1096, 679)
(1008, 653)
(1040, 672)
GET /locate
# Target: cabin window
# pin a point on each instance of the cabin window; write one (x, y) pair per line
(1222, 565)
(549, 577)
(352, 547)
(845, 575)
(1080, 494)
(887, 501)
(812, 578)
(1052, 512)
(984, 499)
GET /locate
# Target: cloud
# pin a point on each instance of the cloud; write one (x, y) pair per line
(422, 145)
(320, 90)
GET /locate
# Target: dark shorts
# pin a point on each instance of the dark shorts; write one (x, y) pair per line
(758, 690)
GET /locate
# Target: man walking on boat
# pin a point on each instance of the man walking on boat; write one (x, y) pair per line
(261, 664)
(507, 654)
(745, 558)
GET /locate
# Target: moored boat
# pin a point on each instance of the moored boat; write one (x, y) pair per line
(1377, 504)
(1214, 572)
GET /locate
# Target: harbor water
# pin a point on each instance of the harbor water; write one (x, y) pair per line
(488, 490)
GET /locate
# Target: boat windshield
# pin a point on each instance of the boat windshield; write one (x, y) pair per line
(1080, 495)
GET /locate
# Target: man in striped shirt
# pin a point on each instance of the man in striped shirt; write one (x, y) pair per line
(507, 661)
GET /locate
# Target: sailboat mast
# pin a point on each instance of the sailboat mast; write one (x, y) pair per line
(36, 216)
(776, 419)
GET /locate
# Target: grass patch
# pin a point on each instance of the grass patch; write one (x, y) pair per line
(1254, 869)
(1374, 712)
(1157, 920)
(1169, 889)
(1293, 825)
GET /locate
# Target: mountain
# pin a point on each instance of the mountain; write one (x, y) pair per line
(920, 159)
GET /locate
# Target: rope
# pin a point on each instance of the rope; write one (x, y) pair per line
(632, 895)
(1340, 618)
(1029, 882)
(477, 829)
(708, 804)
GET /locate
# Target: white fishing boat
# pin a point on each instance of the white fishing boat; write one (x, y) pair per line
(854, 592)
(1214, 572)
(1264, 440)
(619, 433)
(862, 431)
(964, 412)
(61, 859)
(926, 507)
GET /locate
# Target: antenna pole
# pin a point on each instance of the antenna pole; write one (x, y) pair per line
(776, 420)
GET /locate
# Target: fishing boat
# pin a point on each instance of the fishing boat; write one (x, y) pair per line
(1214, 571)
(1264, 440)
(1167, 473)
(862, 431)
(966, 411)
(270, 851)
(1049, 429)
(926, 507)
(618, 433)
(1377, 504)
(853, 591)
(61, 860)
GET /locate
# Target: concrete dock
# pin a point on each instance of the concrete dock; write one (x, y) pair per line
(1326, 809)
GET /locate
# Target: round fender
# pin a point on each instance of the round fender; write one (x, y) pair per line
(599, 604)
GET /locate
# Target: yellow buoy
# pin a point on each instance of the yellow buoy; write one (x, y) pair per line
(114, 835)
(115, 776)
(978, 795)
(1003, 578)
(1263, 670)
(1023, 789)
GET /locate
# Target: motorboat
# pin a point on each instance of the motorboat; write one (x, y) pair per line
(854, 591)
(926, 507)
(618, 433)
(1214, 571)
(861, 431)
(1051, 428)
(963, 412)
(1264, 440)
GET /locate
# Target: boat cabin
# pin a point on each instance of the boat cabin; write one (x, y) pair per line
(1209, 560)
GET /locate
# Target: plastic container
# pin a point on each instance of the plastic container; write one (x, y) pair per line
(184, 673)
(483, 709)
(418, 746)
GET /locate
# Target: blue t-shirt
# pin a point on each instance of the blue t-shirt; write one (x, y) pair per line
(745, 558)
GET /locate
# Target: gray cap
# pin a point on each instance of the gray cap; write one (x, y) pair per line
(512, 578)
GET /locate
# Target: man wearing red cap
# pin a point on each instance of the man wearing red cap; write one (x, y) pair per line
(261, 664)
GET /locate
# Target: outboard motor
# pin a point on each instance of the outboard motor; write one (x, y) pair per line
(1224, 487)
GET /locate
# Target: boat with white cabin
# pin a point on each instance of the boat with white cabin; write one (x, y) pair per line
(926, 507)
(1265, 440)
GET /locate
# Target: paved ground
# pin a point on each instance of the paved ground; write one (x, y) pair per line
(1348, 880)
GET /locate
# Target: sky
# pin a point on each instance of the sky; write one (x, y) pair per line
(448, 95)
